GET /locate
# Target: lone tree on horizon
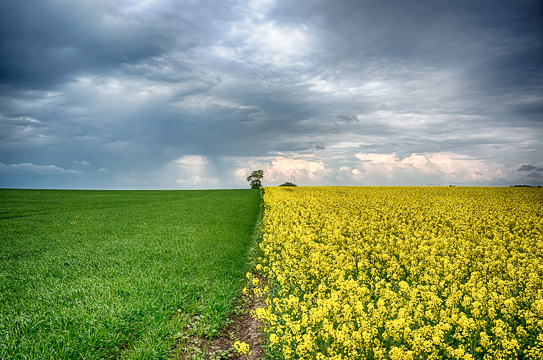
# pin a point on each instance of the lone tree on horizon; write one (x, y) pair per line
(255, 179)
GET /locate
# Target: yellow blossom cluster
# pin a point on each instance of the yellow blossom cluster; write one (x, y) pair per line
(242, 348)
(403, 272)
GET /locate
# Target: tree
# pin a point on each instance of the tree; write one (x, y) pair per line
(255, 179)
(288, 183)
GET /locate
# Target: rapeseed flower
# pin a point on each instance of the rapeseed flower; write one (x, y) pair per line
(241, 347)
(403, 273)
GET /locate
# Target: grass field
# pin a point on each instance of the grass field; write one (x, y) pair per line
(116, 274)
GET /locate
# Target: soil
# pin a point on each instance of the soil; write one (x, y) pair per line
(243, 326)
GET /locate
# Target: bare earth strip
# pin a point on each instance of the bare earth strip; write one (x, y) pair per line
(243, 325)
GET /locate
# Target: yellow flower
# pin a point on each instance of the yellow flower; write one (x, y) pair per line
(241, 347)
(397, 272)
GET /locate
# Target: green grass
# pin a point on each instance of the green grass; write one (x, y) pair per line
(116, 274)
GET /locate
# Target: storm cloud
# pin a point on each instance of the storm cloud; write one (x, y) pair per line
(157, 94)
(529, 168)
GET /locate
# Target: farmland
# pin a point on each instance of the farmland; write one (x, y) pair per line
(403, 273)
(117, 274)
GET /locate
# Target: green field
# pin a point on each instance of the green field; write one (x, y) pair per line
(116, 274)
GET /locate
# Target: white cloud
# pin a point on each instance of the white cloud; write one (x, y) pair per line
(265, 41)
(242, 173)
(192, 171)
(112, 89)
(444, 166)
(377, 158)
(139, 6)
(187, 172)
(110, 96)
(259, 8)
(284, 165)
(450, 164)
(192, 161)
(280, 169)
(346, 87)
(19, 120)
(85, 163)
(203, 102)
(37, 169)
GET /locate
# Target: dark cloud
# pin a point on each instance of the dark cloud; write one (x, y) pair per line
(529, 168)
(347, 118)
(44, 42)
(318, 145)
(535, 175)
(122, 91)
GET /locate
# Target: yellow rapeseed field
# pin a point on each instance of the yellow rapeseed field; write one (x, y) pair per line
(403, 272)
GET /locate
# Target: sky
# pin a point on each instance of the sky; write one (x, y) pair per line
(169, 94)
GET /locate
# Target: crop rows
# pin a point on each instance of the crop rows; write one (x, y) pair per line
(403, 273)
(118, 274)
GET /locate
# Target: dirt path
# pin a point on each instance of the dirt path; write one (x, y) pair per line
(243, 327)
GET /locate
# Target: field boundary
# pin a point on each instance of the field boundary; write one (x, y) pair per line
(242, 327)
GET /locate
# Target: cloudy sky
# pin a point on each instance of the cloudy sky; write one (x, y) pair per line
(169, 94)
